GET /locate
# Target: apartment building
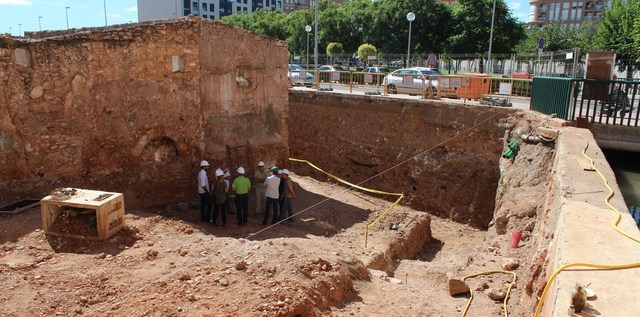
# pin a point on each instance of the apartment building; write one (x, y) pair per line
(569, 12)
(215, 9)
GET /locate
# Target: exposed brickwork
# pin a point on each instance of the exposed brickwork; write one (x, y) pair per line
(135, 108)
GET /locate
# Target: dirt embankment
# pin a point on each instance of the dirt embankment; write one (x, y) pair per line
(443, 157)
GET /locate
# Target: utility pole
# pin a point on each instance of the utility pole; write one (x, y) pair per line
(104, 2)
(493, 15)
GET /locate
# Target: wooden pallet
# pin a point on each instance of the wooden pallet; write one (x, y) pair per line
(240, 156)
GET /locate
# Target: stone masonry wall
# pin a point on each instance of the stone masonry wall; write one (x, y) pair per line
(408, 146)
(135, 108)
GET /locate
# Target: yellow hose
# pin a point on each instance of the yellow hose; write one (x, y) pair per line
(593, 265)
(506, 297)
(366, 230)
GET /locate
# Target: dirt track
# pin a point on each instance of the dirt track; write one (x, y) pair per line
(169, 264)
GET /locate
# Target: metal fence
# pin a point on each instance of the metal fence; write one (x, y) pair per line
(605, 101)
(566, 63)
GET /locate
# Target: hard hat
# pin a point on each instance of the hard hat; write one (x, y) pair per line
(261, 163)
(274, 169)
(204, 163)
(285, 171)
(279, 172)
(241, 170)
(219, 173)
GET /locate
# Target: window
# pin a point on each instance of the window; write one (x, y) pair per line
(543, 7)
(204, 7)
(195, 6)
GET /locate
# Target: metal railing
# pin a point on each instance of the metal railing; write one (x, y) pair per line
(605, 101)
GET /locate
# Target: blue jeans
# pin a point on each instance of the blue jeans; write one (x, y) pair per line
(286, 205)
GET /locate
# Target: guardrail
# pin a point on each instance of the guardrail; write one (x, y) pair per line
(605, 101)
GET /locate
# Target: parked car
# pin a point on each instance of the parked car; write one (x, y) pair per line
(333, 73)
(398, 63)
(329, 68)
(373, 75)
(411, 80)
(299, 76)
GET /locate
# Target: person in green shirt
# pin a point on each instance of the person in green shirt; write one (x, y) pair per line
(241, 186)
(261, 191)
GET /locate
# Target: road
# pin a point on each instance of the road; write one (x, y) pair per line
(344, 89)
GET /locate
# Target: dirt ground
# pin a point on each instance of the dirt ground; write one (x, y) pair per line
(168, 263)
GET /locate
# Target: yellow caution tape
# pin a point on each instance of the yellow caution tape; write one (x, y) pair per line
(366, 231)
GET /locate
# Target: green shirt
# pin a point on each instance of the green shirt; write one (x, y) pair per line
(260, 177)
(241, 185)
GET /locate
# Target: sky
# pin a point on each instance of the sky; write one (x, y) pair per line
(23, 15)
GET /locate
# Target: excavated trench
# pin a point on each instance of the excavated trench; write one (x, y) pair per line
(447, 160)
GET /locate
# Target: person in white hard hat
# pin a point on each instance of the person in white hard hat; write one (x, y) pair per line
(271, 183)
(259, 178)
(288, 195)
(204, 191)
(227, 178)
(220, 191)
(241, 186)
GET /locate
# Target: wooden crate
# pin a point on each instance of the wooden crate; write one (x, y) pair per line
(88, 214)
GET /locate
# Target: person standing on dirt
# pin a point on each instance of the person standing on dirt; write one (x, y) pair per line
(241, 186)
(288, 195)
(204, 192)
(227, 178)
(283, 181)
(220, 191)
(271, 183)
(259, 178)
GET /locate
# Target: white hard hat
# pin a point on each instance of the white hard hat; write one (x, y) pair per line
(241, 170)
(204, 163)
(219, 173)
(261, 163)
(279, 171)
(285, 171)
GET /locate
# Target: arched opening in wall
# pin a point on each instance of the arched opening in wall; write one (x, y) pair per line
(160, 150)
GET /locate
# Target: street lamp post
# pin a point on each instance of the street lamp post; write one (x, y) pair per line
(19, 29)
(40, 22)
(104, 2)
(66, 13)
(493, 14)
(315, 49)
(410, 17)
(308, 29)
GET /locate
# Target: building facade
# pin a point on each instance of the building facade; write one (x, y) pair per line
(215, 9)
(569, 12)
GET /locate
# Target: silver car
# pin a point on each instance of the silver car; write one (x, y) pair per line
(299, 76)
(416, 80)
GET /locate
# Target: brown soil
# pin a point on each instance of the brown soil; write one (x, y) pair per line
(169, 263)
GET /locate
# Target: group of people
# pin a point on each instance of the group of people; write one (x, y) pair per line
(273, 188)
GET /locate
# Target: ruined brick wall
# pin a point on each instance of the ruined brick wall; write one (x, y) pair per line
(409, 146)
(133, 109)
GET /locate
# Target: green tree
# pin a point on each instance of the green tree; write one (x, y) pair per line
(388, 28)
(472, 28)
(366, 50)
(334, 49)
(616, 32)
(557, 36)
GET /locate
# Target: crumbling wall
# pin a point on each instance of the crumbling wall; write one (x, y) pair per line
(135, 108)
(429, 151)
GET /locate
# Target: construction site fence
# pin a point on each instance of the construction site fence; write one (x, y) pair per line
(563, 63)
(466, 86)
(612, 102)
